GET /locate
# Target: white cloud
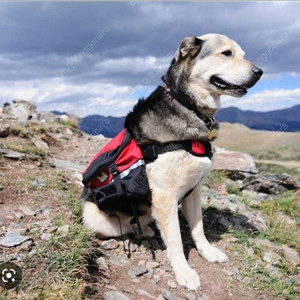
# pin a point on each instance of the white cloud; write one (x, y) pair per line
(266, 100)
(80, 99)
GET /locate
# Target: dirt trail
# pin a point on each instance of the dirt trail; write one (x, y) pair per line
(291, 164)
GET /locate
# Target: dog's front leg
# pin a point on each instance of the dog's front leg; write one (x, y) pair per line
(191, 208)
(165, 211)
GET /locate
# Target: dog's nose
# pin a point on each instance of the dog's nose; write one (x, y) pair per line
(257, 72)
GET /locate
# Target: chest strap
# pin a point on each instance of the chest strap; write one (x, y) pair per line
(201, 149)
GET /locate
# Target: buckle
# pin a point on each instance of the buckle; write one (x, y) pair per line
(149, 152)
(113, 169)
(210, 122)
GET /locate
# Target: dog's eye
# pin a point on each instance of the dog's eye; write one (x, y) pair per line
(227, 53)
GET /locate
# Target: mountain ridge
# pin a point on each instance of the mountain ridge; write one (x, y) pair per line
(286, 119)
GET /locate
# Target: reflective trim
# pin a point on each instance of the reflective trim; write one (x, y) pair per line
(137, 164)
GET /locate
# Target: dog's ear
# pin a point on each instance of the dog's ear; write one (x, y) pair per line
(189, 46)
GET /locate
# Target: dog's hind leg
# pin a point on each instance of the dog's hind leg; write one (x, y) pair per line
(104, 225)
(191, 208)
(165, 212)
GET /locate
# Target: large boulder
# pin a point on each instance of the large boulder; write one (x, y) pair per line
(270, 184)
(233, 161)
(22, 110)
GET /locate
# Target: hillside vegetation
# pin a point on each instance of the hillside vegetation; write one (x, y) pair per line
(274, 151)
(255, 219)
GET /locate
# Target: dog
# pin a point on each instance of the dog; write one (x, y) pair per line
(203, 69)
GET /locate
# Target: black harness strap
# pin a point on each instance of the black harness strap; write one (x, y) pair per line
(151, 151)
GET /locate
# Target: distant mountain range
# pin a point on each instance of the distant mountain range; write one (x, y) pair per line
(284, 120)
(97, 124)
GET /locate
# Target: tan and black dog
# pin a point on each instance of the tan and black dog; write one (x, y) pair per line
(203, 69)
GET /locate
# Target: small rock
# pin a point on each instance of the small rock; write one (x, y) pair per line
(149, 274)
(129, 246)
(26, 210)
(39, 143)
(168, 295)
(12, 239)
(13, 225)
(200, 296)
(102, 265)
(12, 154)
(239, 220)
(283, 218)
(68, 131)
(152, 264)
(46, 236)
(172, 284)
(160, 272)
(117, 261)
(63, 229)
(64, 118)
(27, 246)
(36, 184)
(110, 244)
(145, 294)
(43, 210)
(273, 271)
(8, 257)
(52, 229)
(137, 271)
(33, 252)
(297, 279)
(142, 263)
(19, 216)
(291, 255)
(115, 295)
(4, 131)
(271, 257)
(224, 222)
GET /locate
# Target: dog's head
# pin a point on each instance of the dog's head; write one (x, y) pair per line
(213, 63)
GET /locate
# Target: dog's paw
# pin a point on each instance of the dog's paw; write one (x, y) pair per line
(148, 232)
(213, 254)
(188, 278)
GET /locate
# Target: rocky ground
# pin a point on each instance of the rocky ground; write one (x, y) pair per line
(254, 218)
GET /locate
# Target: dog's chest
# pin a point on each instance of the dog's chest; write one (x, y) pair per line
(178, 170)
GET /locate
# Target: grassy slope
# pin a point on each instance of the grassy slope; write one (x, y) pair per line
(263, 145)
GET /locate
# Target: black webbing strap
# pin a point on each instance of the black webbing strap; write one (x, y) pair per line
(136, 217)
(151, 151)
(115, 173)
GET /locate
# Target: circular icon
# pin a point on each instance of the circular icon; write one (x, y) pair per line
(11, 275)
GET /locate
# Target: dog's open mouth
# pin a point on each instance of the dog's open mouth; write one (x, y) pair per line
(238, 90)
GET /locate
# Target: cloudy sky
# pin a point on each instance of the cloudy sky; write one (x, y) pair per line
(99, 57)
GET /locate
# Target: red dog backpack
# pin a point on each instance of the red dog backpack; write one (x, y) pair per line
(116, 176)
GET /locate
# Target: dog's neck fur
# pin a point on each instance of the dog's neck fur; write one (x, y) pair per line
(209, 104)
(160, 119)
